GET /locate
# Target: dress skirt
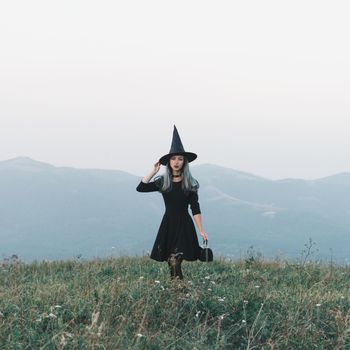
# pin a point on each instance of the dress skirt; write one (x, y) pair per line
(176, 234)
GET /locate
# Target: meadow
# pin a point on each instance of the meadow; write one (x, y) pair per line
(131, 303)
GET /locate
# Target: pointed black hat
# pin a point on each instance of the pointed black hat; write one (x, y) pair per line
(177, 148)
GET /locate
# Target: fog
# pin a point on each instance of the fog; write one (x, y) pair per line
(261, 87)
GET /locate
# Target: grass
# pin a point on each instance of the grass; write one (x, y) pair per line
(130, 303)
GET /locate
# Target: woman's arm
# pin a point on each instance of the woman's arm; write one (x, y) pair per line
(198, 220)
(153, 172)
(196, 212)
(145, 185)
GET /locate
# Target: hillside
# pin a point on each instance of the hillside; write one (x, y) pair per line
(130, 303)
(49, 212)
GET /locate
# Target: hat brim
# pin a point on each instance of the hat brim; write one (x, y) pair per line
(189, 155)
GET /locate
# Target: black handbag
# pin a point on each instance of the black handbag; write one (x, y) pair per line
(206, 253)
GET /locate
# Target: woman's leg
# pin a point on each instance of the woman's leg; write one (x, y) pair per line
(178, 271)
(172, 269)
(174, 262)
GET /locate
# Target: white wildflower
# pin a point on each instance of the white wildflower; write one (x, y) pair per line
(244, 321)
(100, 328)
(63, 341)
(197, 313)
(209, 289)
(139, 335)
(212, 282)
(58, 306)
(94, 317)
(51, 315)
(257, 286)
(141, 278)
(207, 277)
(245, 301)
(318, 305)
(156, 281)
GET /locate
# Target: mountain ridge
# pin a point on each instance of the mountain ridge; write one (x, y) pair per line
(27, 161)
(60, 212)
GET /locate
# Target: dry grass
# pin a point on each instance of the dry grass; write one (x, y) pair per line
(130, 303)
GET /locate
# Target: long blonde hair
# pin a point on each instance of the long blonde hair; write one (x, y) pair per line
(189, 183)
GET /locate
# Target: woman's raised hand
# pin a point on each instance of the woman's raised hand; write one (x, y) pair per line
(154, 170)
(156, 167)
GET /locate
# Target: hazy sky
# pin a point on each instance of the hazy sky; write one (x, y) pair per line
(258, 86)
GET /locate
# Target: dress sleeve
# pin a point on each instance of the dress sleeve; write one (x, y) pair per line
(147, 187)
(194, 204)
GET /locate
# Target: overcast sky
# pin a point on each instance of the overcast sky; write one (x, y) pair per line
(258, 86)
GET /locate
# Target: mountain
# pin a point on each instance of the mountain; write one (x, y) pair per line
(49, 212)
(274, 216)
(337, 179)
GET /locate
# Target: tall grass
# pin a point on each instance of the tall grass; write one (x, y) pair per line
(131, 303)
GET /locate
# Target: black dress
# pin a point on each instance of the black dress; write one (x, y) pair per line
(176, 232)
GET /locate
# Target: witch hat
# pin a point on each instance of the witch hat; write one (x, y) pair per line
(177, 148)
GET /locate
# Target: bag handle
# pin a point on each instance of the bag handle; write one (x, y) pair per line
(205, 243)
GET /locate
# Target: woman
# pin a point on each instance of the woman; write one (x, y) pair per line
(176, 239)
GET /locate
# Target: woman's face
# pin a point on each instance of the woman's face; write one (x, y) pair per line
(176, 162)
